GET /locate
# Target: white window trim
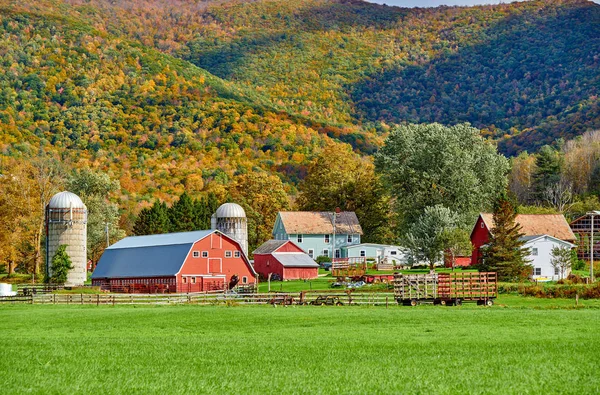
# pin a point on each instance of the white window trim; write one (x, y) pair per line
(204, 254)
(326, 239)
(326, 252)
(311, 253)
(299, 238)
(196, 254)
(534, 251)
(338, 253)
(236, 254)
(228, 254)
(244, 280)
(350, 238)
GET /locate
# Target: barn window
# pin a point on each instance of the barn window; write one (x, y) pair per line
(311, 253)
(349, 238)
(184, 279)
(204, 254)
(363, 253)
(534, 251)
(326, 239)
(325, 252)
(537, 271)
(299, 238)
(236, 254)
(244, 280)
(482, 225)
(193, 280)
(227, 254)
(196, 254)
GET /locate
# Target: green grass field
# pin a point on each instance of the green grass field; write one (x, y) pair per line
(521, 345)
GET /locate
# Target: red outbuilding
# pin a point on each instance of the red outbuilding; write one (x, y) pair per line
(284, 259)
(175, 262)
(553, 225)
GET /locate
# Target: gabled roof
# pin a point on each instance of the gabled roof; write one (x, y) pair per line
(319, 222)
(534, 238)
(161, 240)
(294, 259)
(269, 246)
(554, 225)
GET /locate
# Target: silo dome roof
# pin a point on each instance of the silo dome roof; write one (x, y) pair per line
(231, 210)
(66, 199)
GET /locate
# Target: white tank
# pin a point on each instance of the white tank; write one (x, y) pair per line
(230, 219)
(66, 223)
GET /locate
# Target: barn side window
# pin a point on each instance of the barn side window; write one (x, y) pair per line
(204, 254)
(236, 254)
(227, 254)
(482, 225)
(184, 279)
(196, 254)
(193, 280)
(244, 280)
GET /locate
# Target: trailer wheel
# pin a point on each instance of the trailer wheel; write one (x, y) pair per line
(413, 302)
(443, 302)
(489, 302)
(458, 302)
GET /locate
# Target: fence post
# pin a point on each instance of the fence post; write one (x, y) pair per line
(81, 298)
(97, 299)
(113, 300)
(386, 302)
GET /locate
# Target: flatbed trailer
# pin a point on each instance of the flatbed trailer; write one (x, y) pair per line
(446, 288)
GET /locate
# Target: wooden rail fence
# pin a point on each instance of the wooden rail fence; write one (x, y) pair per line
(298, 298)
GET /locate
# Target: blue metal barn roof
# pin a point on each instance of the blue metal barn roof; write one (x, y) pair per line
(147, 256)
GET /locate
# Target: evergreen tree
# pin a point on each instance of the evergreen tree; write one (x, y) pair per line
(548, 164)
(153, 220)
(205, 207)
(61, 264)
(505, 253)
(182, 214)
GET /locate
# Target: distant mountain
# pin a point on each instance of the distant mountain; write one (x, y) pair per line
(155, 90)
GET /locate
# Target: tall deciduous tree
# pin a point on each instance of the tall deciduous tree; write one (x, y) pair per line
(427, 237)
(504, 253)
(562, 260)
(262, 196)
(338, 177)
(456, 242)
(429, 165)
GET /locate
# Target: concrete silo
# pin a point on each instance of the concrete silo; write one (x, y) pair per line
(230, 219)
(66, 223)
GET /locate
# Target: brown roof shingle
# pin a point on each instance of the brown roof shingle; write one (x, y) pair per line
(554, 225)
(315, 222)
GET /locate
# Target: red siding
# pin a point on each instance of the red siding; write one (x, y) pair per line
(267, 263)
(210, 272)
(479, 237)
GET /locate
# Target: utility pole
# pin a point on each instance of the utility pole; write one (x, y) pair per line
(107, 239)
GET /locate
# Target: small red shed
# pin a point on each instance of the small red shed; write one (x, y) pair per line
(554, 225)
(176, 262)
(285, 259)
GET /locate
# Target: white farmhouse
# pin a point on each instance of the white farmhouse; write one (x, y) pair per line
(540, 256)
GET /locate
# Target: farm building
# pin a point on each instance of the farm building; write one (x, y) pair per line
(314, 232)
(582, 227)
(393, 255)
(284, 259)
(540, 254)
(553, 225)
(176, 262)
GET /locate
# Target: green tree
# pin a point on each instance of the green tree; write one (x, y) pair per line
(61, 264)
(548, 166)
(429, 165)
(95, 188)
(338, 177)
(504, 253)
(152, 220)
(562, 260)
(183, 215)
(205, 207)
(428, 235)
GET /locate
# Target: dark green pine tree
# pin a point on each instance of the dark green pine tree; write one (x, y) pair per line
(153, 220)
(182, 214)
(205, 208)
(61, 264)
(548, 166)
(504, 253)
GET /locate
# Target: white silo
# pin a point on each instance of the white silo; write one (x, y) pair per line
(230, 219)
(66, 223)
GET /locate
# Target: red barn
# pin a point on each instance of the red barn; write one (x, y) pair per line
(554, 225)
(285, 259)
(176, 262)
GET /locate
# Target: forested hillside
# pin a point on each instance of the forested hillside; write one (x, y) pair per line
(526, 73)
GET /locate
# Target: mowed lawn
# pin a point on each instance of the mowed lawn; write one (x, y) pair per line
(305, 349)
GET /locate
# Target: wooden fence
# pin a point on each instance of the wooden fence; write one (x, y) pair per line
(298, 298)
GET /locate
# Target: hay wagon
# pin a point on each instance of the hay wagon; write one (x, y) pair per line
(446, 288)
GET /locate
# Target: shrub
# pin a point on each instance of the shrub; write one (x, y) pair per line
(322, 258)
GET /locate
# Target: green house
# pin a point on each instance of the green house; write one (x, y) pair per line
(313, 231)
